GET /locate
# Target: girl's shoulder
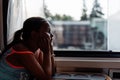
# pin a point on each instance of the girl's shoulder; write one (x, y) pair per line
(20, 48)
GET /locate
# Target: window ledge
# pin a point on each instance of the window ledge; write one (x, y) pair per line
(87, 62)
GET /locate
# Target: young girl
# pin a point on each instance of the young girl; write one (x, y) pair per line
(30, 54)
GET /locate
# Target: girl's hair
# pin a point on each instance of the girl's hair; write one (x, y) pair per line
(29, 25)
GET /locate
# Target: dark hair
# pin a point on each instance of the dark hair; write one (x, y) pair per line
(16, 39)
(29, 25)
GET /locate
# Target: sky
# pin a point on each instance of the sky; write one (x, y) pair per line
(74, 7)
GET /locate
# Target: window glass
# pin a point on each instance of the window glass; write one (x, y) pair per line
(78, 24)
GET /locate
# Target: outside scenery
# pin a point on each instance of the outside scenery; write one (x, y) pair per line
(76, 24)
(87, 31)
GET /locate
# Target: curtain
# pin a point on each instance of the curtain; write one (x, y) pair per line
(18, 11)
(1, 28)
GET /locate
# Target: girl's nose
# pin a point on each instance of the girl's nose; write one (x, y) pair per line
(51, 35)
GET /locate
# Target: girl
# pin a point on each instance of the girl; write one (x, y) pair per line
(30, 54)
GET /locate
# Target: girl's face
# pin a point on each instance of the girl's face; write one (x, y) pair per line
(45, 31)
(44, 38)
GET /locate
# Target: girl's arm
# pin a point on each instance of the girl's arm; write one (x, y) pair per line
(44, 44)
(53, 61)
(32, 65)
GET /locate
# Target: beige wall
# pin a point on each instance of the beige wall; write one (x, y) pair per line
(1, 26)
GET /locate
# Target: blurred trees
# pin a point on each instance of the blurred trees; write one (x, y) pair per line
(57, 17)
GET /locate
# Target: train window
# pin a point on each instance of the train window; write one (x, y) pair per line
(86, 25)
(78, 25)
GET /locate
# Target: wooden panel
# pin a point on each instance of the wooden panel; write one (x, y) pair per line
(88, 62)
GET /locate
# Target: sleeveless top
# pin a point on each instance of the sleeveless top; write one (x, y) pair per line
(10, 72)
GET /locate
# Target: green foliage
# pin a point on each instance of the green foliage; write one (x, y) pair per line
(84, 17)
(62, 17)
(57, 17)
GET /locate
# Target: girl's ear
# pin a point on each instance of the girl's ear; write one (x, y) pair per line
(34, 35)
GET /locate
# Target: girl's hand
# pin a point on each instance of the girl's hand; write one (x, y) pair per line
(45, 42)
